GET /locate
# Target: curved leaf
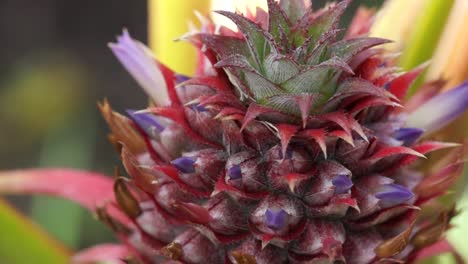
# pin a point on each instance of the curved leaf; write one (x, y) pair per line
(88, 189)
(108, 253)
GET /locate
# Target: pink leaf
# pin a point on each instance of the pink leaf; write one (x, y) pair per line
(109, 253)
(438, 248)
(89, 189)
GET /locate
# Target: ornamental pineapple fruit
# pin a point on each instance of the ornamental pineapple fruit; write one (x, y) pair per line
(288, 145)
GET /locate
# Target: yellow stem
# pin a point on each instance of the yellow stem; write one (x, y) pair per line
(168, 20)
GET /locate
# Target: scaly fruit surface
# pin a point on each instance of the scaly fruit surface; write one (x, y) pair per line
(289, 145)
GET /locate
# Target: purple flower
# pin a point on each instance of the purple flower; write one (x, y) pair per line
(184, 164)
(147, 122)
(342, 183)
(139, 61)
(276, 219)
(393, 194)
(408, 134)
(440, 110)
(235, 172)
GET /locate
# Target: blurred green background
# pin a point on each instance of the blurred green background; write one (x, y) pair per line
(54, 67)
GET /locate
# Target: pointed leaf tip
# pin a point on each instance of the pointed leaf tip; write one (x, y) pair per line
(286, 133)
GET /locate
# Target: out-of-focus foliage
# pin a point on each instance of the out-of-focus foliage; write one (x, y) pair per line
(23, 242)
(39, 94)
(450, 59)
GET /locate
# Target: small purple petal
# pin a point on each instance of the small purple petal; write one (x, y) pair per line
(184, 164)
(408, 134)
(276, 219)
(440, 110)
(181, 78)
(199, 108)
(146, 121)
(393, 194)
(289, 153)
(342, 183)
(234, 172)
(140, 63)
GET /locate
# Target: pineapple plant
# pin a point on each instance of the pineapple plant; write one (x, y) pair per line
(289, 145)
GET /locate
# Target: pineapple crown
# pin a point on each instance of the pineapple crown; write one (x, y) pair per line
(289, 59)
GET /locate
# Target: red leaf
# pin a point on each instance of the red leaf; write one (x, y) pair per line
(230, 113)
(425, 148)
(346, 122)
(253, 111)
(286, 132)
(373, 101)
(343, 135)
(319, 136)
(89, 189)
(389, 151)
(399, 86)
(102, 253)
(169, 77)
